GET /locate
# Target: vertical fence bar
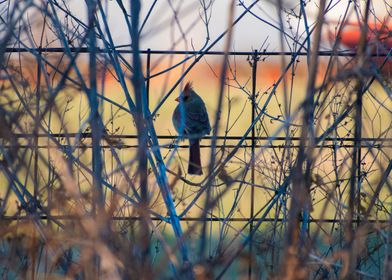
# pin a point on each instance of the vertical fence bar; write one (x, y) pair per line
(358, 144)
(37, 114)
(148, 72)
(355, 180)
(252, 194)
(355, 184)
(143, 138)
(144, 185)
(96, 129)
(358, 140)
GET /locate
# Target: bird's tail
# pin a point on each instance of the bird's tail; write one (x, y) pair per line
(194, 165)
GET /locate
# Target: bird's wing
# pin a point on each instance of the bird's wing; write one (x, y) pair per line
(197, 121)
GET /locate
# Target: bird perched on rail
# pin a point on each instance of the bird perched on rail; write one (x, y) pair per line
(190, 119)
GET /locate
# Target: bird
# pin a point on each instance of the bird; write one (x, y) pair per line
(190, 119)
(378, 40)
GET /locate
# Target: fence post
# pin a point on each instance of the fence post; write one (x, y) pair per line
(144, 185)
(96, 129)
(358, 144)
(255, 59)
(148, 72)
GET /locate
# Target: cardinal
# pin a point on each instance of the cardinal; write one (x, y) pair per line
(379, 40)
(190, 119)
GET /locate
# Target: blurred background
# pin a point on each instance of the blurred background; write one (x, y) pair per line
(296, 170)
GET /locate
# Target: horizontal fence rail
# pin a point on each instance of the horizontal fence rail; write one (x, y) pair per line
(326, 53)
(190, 219)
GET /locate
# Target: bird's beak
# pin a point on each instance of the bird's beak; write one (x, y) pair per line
(177, 99)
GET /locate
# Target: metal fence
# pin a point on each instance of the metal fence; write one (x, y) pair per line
(251, 142)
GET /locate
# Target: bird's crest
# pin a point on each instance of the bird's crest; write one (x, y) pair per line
(188, 88)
